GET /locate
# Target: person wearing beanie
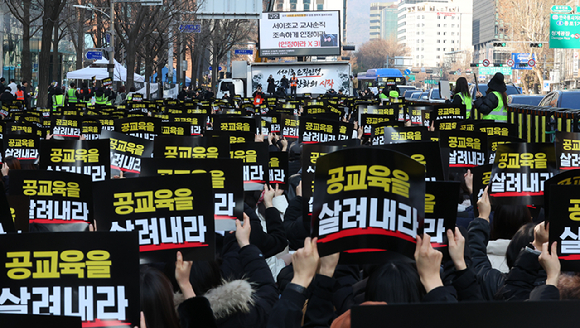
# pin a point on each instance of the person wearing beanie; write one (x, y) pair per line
(494, 105)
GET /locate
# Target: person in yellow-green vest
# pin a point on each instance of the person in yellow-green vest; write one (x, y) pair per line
(57, 98)
(71, 95)
(461, 95)
(494, 105)
(100, 97)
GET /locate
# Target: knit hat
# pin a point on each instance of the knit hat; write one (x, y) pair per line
(497, 83)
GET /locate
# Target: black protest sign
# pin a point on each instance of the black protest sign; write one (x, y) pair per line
(571, 177)
(465, 149)
(426, 153)
(91, 157)
(21, 127)
(378, 132)
(233, 137)
(255, 158)
(107, 123)
(565, 224)
(367, 202)
(308, 159)
(126, 152)
(22, 147)
(94, 276)
(290, 125)
(416, 114)
(58, 201)
(191, 147)
(494, 141)
(440, 212)
(197, 122)
(519, 173)
(449, 112)
(68, 127)
(370, 121)
(481, 179)
(228, 124)
(392, 111)
(175, 129)
(446, 125)
(278, 169)
(273, 121)
(140, 127)
(496, 128)
(169, 212)
(227, 183)
(315, 130)
(28, 320)
(406, 134)
(568, 150)
(6, 219)
(91, 129)
(107, 81)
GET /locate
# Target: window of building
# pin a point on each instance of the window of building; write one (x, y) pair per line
(452, 33)
(452, 41)
(438, 57)
(452, 49)
(438, 33)
(452, 25)
(438, 25)
(444, 25)
(438, 49)
(438, 17)
(417, 49)
(320, 6)
(438, 41)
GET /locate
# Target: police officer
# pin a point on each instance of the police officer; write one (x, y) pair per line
(100, 98)
(493, 105)
(57, 99)
(71, 95)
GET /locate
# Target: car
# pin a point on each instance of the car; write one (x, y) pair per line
(415, 95)
(532, 100)
(424, 96)
(562, 99)
(405, 88)
(511, 90)
(408, 93)
(434, 96)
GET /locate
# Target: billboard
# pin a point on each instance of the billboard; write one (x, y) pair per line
(229, 9)
(309, 33)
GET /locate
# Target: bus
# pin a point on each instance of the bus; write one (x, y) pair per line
(378, 78)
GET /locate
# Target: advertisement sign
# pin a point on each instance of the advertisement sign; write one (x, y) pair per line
(311, 33)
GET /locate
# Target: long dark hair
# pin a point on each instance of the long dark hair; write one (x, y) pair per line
(13, 163)
(157, 299)
(461, 87)
(521, 239)
(395, 282)
(508, 219)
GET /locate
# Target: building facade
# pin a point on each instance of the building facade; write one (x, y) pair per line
(431, 29)
(375, 19)
(487, 28)
(389, 21)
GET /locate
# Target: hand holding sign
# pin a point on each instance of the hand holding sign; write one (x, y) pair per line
(456, 248)
(305, 262)
(428, 263)
(328, 264)
(243, 231)
(484, 206)
(182, 270)
(541, 235)
(550, 263)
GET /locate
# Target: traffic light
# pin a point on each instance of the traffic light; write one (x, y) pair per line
(473, 65)
(535, 45)
(499, 44)
(523, 64)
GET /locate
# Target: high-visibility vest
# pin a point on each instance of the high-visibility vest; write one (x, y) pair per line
(393, 94)
(102, 100)
(466, 100)
(293, 81)
(498, 114)
(57, 101)
(72, 96)
(20, 95)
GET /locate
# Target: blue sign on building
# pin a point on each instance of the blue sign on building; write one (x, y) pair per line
(521, 60)
(243, 51)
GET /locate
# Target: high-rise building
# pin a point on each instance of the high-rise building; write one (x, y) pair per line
(432, 28)
(375, 19)
(389, 21)
(487, 28)
(312, 5)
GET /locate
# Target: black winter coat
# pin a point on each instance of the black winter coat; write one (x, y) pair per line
(271, 85)
(294, 225)
(486, 104)
(196, 312)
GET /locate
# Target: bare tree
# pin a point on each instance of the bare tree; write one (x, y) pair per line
(23, 11)
(376, 53)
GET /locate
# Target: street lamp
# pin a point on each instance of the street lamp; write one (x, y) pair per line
(112, 32)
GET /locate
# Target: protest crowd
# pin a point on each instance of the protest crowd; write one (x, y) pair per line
(283, 210)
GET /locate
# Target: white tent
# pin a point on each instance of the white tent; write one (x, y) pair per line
(101, 73)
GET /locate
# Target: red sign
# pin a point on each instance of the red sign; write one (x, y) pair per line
(486, 62)
(510, 62)
(531, 63)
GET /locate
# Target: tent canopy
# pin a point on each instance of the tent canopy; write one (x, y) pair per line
(101, 73)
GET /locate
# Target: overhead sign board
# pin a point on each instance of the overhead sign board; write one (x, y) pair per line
(310, 33)
(493, 70)
(94, 55)
(521, 58)
(564, 31)
(229, 9)
(561, 9)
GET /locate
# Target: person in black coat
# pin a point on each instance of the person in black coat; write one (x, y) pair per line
(284, 83)
(487, 104)
(271, 85)
(182, 94)
(7, 96)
